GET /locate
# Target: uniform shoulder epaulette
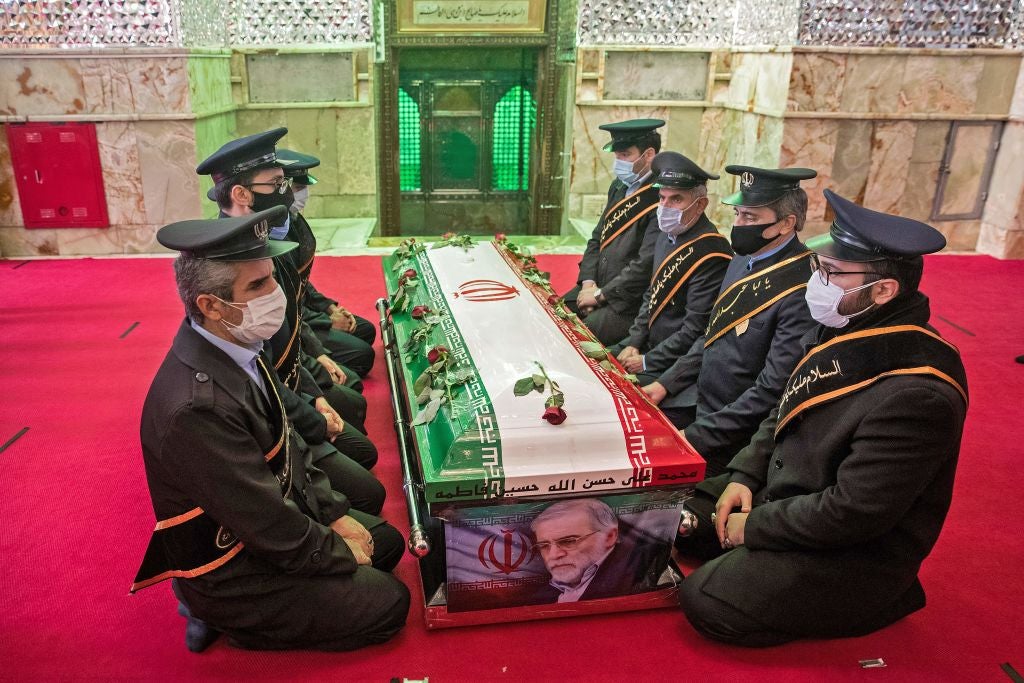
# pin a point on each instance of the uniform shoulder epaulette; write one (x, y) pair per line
(202, 391)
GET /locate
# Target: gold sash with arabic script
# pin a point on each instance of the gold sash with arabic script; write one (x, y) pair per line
(854, 361)
(191, 544)
(678, 266)
(754, 293)
(626, 212)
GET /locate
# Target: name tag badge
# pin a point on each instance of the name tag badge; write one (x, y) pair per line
(742, 327)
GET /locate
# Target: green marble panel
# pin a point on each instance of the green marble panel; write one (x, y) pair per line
(209, 83)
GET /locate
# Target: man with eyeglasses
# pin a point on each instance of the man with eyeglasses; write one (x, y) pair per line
(587, 556)
(823, 521)
(728, 381)
(248, 177)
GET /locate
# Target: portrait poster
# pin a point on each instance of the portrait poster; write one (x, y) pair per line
(559, 551)
(471, 16)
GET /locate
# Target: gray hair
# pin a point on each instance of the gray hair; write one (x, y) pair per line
(601, 516)
(793, 203)
(197, 276)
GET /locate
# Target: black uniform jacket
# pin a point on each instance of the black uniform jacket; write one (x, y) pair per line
(850, 499)
(741, 376)
(205, 429)
(622, 270)
(686, 315)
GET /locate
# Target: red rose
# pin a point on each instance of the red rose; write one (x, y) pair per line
(409, 274)
(554, 415)
(500, 237)
(448, 235)
(434, 354)
(412, 240)
(554, 299)
(419, 311)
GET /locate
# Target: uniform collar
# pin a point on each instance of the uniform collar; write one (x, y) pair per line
(193, 349)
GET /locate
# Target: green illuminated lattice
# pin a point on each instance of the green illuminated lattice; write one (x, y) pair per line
(409, 179)
(515, 116)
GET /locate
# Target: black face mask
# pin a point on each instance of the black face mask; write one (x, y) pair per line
(262, 202)
(746, 239)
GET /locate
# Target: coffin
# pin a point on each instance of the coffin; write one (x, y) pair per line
(483, 464)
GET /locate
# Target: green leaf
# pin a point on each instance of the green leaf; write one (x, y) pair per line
(632, 378)
(422, 382)
(555, 401)
(594, 350)
(538, 380)
(464, 374)
(428, 413)
(523, 386)
(424, 396)
(436, 393)
(607, 365)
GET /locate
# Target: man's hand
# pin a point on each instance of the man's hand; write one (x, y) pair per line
(342, 320)
(655, 391)
(633, 364)
(734, 526)
(335, 424)
(626, 353)
(337, 376)
(355, 535)
(586, 301)
(735, 495)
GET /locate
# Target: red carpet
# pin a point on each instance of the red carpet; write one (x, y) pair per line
(76, 514)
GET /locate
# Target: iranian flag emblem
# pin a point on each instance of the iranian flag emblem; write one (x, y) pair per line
(485, 290)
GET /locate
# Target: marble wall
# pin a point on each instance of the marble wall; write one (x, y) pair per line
(874, 123)
(1002, 222)
(140, 105)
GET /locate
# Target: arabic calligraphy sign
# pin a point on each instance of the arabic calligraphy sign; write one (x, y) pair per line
(475, 16)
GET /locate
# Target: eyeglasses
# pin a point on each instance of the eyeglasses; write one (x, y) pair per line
(824, 274)
(564, 543)
(280, 186)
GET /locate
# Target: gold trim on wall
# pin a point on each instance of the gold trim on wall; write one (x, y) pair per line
(471, 16)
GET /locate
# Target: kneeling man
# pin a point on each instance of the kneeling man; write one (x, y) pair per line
(822, 522)
(257, 543)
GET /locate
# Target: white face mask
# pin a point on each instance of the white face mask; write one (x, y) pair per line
(623, 170)
(823, 302)
(261, 317)
(670, 220)
(299, 202)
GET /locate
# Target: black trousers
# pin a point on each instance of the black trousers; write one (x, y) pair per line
(268, 610)
(350, 479)
(353, 349)
(609, 326)
(718, 620)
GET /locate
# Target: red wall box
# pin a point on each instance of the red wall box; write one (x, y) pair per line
(57, 169)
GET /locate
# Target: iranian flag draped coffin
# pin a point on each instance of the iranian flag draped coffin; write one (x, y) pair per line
(481, 351)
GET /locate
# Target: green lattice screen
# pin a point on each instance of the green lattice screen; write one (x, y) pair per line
(515, 116)
(409, 179)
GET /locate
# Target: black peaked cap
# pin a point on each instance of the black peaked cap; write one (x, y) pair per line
(858, 234)
(236, 238)
(672, 169)
(241, 155)
(762, 186)
(626, 134)
(296, 165)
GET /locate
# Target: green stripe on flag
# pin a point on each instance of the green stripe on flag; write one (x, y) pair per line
(460, 450)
